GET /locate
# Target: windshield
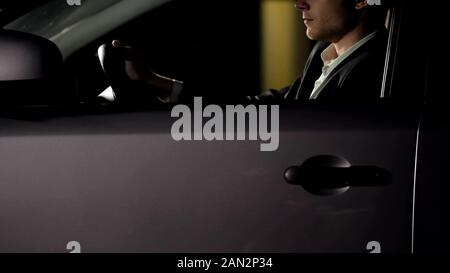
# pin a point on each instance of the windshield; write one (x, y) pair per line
(13, 9)
(71, 27)
(54, 17)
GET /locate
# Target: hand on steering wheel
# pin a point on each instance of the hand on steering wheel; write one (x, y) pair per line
(129, 76)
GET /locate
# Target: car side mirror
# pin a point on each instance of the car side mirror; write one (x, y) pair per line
(30, 70)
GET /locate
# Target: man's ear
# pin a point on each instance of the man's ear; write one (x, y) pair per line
(361, 4)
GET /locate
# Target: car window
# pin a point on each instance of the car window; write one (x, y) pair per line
(180, 40)
(263, 47)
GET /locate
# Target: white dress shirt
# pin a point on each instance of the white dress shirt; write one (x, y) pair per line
(331, 60)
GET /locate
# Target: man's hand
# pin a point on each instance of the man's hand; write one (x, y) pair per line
(138, 70)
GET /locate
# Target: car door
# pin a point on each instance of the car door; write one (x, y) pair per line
(114, 180)
(119, 182)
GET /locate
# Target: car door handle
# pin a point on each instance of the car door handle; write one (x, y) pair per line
(337, 177)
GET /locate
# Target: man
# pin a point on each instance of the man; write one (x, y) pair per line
(346, 64)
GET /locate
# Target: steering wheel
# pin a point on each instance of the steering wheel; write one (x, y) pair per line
(112, 61)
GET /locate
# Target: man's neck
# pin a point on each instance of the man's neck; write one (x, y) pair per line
(351, 38)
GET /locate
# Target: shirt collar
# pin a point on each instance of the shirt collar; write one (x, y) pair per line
(329, 55)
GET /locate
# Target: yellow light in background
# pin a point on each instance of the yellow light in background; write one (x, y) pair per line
(285, 46)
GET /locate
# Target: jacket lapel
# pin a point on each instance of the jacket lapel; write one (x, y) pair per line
(312, 72)
(313, 68)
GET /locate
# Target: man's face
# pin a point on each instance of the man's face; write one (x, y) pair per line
(327, 20)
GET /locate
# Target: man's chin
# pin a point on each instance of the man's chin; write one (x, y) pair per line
(317, 36)
(311, 35)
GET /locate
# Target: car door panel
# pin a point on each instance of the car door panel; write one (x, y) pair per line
(119, 183)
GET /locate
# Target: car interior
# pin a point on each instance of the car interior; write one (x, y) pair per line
(175, 43)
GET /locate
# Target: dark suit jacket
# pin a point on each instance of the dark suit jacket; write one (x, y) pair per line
(358, 77)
